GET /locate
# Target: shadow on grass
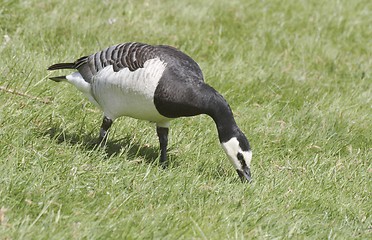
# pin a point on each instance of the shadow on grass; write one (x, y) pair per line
(112, 147)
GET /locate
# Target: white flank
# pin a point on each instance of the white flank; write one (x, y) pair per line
(232, 149)
(126, 93)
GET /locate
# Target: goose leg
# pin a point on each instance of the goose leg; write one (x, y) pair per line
(106, 124)
(163, 140)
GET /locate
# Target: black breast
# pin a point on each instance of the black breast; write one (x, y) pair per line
(181, 90)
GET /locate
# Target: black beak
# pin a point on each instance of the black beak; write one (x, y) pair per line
(244, 174)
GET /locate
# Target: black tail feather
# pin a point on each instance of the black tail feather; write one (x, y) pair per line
(58, 66)
(58, 79)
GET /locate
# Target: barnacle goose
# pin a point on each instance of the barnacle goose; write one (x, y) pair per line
(157, 84)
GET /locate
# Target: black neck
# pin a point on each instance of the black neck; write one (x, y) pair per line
(221, 113)
(173, 100)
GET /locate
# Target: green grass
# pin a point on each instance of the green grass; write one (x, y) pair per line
(297, 75)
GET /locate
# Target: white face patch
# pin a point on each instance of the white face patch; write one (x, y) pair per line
(232, 150)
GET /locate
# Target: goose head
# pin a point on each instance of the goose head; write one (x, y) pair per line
(240, 155)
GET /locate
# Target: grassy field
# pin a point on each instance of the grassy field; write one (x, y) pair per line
(297, 75)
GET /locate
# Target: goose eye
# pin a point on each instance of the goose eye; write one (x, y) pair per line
(241, 159)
